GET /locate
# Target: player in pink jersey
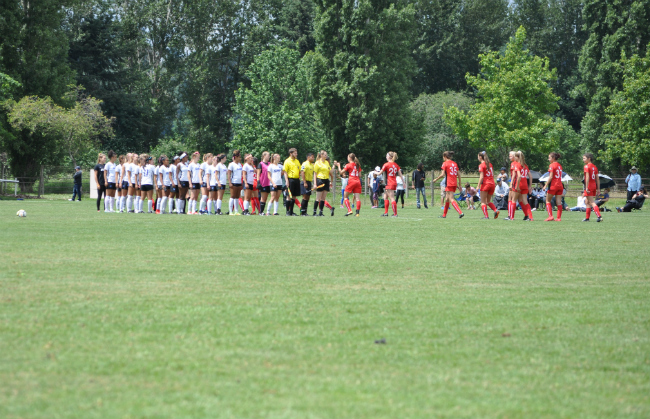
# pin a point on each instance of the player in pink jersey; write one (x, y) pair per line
(450, 170)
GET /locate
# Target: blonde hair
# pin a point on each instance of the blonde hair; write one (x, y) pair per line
(520, 156)
(274, 156)
(207, 157)
(99, 157)
(392, 155)
(264, 154)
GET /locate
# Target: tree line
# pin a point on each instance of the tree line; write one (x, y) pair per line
(362, 76)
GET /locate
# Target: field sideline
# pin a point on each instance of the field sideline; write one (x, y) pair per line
(151, 316)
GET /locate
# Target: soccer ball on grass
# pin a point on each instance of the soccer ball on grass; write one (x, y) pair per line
(21, 213)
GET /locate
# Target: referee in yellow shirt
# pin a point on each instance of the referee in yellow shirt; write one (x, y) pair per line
(292, 176)
(306, 174)
(322, 176)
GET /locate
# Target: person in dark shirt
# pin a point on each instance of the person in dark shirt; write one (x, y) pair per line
(602, 198)
(418, 184)
(99, 178)
(76, 191)
(636, 202)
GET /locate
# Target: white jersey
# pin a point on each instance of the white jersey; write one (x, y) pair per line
(164, 172)
(250, 173)
(236, 172)
(118, 173)
(276, 174)
(110, 172)
(194, 170)
(204, 167)
(134, 170)
(210, 173)
(172, 168)
(282, 177)
(222, 172)
(148, 174)
(185, 168)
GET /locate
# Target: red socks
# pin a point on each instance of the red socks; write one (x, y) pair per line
(527, 211)
(588, 213)
(297, 202)
(358, 205)
(549, 209)
(394, 204)
(386, 204)
(444, 213)
(559, 212)
(492, 207)
(241, 204)
(347, 205)
(456, 207)
(327, 204)
(596, 210)
(484, 209)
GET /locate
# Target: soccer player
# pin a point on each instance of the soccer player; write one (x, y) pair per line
(592, 186)
(195, 181)
(264, 183)
(452, 178)
(392, 170)
(221, 178)
(99, 179)
(554, 186)
(123, 185)
(159, 185)
(322, 178)
(147, 183)
(353, 169)
(275, 174)
(131, 177)
(306, 176)
(512, 203)
(173, 197)
(486, 185)
(235, 172)
(205, 188)
(110, 180)
(183, 171)
(292, 176)
(522, 179)
(164, 179)
(249, 180)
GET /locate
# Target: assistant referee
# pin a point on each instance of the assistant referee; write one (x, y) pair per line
(292, 170)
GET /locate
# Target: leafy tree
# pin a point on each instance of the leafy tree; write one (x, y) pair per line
(362, 72)
(627, 131)
(614, 27)
(514, 103)
(438, 135)
(277, 111)
(295, 24)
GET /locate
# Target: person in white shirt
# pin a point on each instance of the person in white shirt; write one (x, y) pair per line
(147, 176)
(275, 174)
(110, 181)
(174, 189)
(212, 185)
(400, 191)
(235, 170)
(157, 184)
(249, 181)
(221, 179)
(164, 179)
(132, 171)
(205, 188)
(501, 192)
(195, 180)
(183, 172)
(121, 177)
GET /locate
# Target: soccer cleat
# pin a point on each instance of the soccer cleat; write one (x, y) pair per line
(357, 214)
(276, 214)
(349, 213)
(507, 219)
(320, 214)
(485, 218)
(236, 213)
(157, 211)
(526, 218)
(550, 219)
(586, 219)
(558, 219)
(394, 215)
(618, 209)
(385, 215)
(441, 216)
(461, 215)
(332, 211)
(599, 220)
(304, 214)
(496, 214)
(314, 214)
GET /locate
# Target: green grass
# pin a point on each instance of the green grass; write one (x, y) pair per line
(145, 316)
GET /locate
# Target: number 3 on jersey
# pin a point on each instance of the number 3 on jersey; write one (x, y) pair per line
(453, 170)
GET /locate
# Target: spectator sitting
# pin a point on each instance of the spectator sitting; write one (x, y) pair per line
(603, 197)
(500, 197)
(580, 206)
(636, 202)
(503, 175)
(470, 194)
(538, 197)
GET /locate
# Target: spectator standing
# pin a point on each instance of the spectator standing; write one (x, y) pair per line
(76, 189)
(419, 176)
(636, 202)
(99, 178)
(501, 192)
(399, 192)
(633, 181)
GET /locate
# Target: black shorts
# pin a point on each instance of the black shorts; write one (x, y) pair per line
(125, 184)
(235, 185)
(265, 189)
(294, 186)
(169, 188)
(307, 190)
(185, 184)
(196, 186)
(110, 186)
(204, 185)
(147, 188)
(249, 186)
(277, 188)
(214, 188)
(222, 187)
(325, 182)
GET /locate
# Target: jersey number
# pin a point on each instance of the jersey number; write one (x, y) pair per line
(453, 170)
(558, 174)
(392, 171)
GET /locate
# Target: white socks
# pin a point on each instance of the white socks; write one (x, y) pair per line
(210, 206)
(246, 205)
(218, 204)
(129, 201)
(150, 205)
(162, 204)
(230, 205)
(204, 201)
(275, 207)
(171, 204)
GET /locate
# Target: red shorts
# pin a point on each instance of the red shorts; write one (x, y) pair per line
(392, 184)
(556, 191)
(353, 188)
(590, 193)
(525, 191)
(489, 189)
(450, 189)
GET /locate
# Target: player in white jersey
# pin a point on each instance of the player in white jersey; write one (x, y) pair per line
(248, 180)
(159, 185)
(205, 188)
(275, 174)
(123, 185)
(195, 182)
(174, 177)
(235, 182)
(147, 183)
(183, 172)
(131, 177)
(165, 179)
(221, 179)
(110, 181)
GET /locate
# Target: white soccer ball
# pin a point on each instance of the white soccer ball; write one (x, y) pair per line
(21, 213)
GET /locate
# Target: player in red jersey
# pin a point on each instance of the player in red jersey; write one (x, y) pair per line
(592, 186)
(522, 179)
(512, 202)
(353, 169)
(486, 185)
(392, 171)
(554, 186)
(450, 170)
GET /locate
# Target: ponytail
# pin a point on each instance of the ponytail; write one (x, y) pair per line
(356, 160)
(521, 157)
(556, 156)
(448, 155)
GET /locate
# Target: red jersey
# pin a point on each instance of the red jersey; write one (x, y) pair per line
(488, 175)
(353, 173)
(451, 172)
(513, 169)
(391, 169)
(591, 174)
(523, 182)
(556, 176)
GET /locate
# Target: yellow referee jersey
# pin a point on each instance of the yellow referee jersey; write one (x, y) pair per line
(292, 168)
(308, 168)
(322, 169)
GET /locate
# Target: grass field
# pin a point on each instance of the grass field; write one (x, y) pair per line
(151, 316)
